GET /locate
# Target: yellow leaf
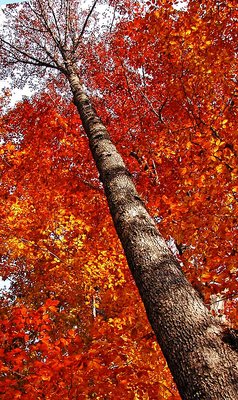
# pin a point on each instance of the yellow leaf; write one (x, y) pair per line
(157, 14)
(219, 168)
(188, 145)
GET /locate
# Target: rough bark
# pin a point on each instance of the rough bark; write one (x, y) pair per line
(204, 367)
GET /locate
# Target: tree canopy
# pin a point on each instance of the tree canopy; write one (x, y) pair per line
(163, 81)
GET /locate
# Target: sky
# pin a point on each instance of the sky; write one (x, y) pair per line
(3, 2)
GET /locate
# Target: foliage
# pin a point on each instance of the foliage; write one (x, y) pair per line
(73, 325)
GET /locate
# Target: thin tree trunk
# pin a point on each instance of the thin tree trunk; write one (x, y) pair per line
(204, 367)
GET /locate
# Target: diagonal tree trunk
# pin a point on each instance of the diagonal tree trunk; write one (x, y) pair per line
(201, 357)
(203, 365)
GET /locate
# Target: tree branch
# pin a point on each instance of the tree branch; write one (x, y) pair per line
(30, 59)
(87, 18)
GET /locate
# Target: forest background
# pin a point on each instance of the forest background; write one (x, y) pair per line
(164, 83)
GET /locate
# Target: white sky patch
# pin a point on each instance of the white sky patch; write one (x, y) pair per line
(16, 94)
(19, 94)
(181, 5)
(4, 285)
(1, 15)
(4, 2)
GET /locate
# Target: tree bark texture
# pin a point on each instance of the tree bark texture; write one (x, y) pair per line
(203, 364)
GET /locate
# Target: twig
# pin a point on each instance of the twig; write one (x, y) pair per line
(41, 248)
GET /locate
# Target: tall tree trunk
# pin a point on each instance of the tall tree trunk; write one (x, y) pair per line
(203, 365)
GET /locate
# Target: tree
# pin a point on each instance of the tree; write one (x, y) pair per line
(182, 324)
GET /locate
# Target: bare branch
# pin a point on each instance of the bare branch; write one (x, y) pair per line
(87, 19)
(56, 23)
(30, 59)
(113, 19)
(49, 54)
(43, 20)
(159, 113)
(67, 23)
